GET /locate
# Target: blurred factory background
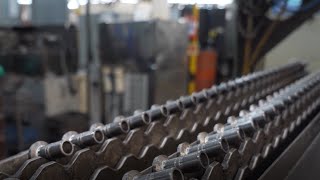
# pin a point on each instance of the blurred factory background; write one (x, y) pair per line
(66, 64)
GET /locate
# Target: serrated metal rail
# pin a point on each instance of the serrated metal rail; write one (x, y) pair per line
(153, 132)
(168, 146)
(245, 146)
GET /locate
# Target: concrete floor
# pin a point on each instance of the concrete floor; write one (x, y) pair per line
(303, 43)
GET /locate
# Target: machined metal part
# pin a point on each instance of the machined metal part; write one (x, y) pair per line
(168, 174)
(187, 163)
(85, 139)
(117, 128)
(55, 150)
(211, 148)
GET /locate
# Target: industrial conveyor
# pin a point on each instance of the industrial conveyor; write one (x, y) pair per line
(240, 129)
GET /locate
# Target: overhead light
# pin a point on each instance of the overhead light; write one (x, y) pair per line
(202, 2)
(82, 2)
(129, 1)
(73, 4)
(107, 1)
(24, 2)
(95, 1)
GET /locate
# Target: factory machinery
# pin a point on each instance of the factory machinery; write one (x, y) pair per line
(239, 129)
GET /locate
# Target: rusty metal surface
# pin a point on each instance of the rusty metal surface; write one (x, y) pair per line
(133, 142)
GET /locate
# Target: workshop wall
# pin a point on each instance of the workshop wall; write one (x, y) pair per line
(303, 43)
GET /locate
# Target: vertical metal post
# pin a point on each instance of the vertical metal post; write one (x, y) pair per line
(232, 39)
(88, 24)
(94, 69)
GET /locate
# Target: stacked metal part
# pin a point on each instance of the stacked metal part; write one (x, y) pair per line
(245, 146)
(133, 142)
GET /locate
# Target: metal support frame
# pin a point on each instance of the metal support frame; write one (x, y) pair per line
(286, 163)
